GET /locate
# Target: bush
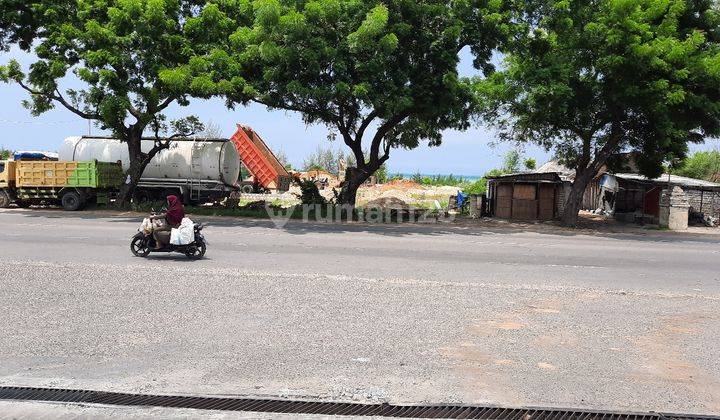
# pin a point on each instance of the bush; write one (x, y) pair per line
(701, 165)
(438, 180)
(309, 192)
(478, 187)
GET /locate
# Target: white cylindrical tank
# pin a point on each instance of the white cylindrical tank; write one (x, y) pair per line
(215, 160)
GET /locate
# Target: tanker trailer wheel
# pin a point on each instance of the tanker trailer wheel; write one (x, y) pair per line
(4, 199)
(72, 201)
(141, 196)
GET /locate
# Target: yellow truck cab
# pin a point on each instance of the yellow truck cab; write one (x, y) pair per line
(7, 182)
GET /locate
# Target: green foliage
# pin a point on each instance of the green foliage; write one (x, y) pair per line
(511, 161)
(5, 154)
(22, 21)
(592, 78)
(309, 192)
(382, 174)
(325, 159)
(440, 180)
(384, 75)
(134, 58)
(701, 165)
(530, 164)
(480, 186)
(395, 177)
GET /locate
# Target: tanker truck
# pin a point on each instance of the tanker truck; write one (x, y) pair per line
(198, 170)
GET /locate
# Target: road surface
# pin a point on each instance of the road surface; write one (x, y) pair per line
(364, 313)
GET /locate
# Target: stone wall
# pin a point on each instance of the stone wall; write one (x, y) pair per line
(707, 202)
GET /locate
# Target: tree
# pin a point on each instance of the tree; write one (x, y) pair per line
(511, 161)
(283, 159)
(383, 75)
(530, 164)
(382, 174)
(21, 21)
(324, 159)
(211, 131)
(701, 165)
(591, 78)
(134, 58)
(5, 154)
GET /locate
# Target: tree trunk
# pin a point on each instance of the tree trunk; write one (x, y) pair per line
(354, 178)
(573, 201)
(132, 177)
(138, 162)
(585, 173)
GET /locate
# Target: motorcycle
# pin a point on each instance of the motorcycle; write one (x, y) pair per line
(142, 244)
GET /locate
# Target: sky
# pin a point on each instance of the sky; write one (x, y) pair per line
(472, 152)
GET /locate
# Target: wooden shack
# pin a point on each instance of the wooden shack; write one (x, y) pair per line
(527, 196)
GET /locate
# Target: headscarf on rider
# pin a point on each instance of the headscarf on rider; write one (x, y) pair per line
(175, 211)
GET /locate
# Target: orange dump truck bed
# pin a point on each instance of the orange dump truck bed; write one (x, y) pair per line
(259, 160)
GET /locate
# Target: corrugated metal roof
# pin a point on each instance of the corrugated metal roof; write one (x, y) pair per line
(530, 177)
(563, 172)
(568, 175)
(674, 179)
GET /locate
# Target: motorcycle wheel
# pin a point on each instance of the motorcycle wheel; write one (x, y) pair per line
(140, 247)
(196, 250)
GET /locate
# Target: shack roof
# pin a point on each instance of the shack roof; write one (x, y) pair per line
(682, 181)
(551, 171)
(553, 177)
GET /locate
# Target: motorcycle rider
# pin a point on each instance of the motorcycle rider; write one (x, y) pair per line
(172, 218)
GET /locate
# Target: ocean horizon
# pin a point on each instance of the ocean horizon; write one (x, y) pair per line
(410, 175)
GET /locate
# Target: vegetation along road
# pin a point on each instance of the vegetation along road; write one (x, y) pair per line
(434, 313)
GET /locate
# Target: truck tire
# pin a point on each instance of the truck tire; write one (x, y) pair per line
(247, 189)
(4, 199)
(72, 201)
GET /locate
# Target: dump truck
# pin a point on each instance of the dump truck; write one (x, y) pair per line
(266, 170)
(72, 184)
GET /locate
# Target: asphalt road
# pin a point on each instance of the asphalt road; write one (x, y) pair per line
(365, 313)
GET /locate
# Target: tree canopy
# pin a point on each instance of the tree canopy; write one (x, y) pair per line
(123, 52)
(382, 75)
(701, 165)
(590, 78)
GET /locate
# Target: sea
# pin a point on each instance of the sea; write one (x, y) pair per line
(469, 178)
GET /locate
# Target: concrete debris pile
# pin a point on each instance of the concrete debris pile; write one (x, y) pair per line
(410, 192)
(701, 219)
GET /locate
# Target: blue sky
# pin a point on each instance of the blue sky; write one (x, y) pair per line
(472, 152)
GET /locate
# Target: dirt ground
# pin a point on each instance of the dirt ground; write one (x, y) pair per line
(411, 193)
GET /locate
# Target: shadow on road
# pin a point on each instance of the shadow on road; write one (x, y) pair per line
(474, 228)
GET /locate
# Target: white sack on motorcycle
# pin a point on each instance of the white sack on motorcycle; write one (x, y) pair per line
(184, 234)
